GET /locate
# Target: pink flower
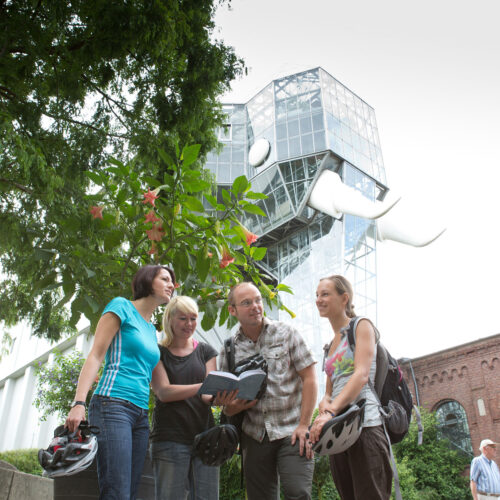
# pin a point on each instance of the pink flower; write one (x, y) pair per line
(96, 212)
(176, 285)
(151, 217)
(226, 259)
(151, 196)
(250, 237)
(156, 233)
(153, 249)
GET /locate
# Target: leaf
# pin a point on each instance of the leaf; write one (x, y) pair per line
(116, 162)
(92, 303)
(165, 157)
(195, 185)
(112, 239)
(240, 185)
(209, 316)
(211, 199)
(254, 209)
(44, 253)
(224, 314)
(114, 170)
(121, 196)
(284, 288)
(45, 281)
(226, 196)
(190, 154)
(89, 272)
(256, 196)
(193, 204)
(202, 265)
(95, 178)
(258, 253)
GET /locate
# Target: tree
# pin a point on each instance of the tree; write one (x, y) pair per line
(81, 82)
(431, 471)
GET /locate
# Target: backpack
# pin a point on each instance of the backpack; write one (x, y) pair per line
(390, 387)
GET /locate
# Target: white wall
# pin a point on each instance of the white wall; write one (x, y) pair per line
(19, 419)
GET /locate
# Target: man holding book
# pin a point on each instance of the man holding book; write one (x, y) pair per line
(274, 444)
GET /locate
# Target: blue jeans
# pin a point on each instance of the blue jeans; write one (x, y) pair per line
(122, 446)
(179, 476)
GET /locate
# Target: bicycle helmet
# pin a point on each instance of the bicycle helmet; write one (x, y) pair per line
(69, 453)
(341, 431)
(216, 445)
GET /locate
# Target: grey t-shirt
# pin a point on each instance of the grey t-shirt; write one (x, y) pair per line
(339, 367)
(180, 421)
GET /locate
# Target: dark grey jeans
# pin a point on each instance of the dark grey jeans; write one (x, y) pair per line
(268, 463)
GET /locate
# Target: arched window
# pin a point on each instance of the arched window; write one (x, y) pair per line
(452, 424)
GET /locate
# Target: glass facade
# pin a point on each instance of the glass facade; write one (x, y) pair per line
(312, 122)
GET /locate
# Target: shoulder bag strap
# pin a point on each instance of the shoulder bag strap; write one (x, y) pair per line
(229, 349)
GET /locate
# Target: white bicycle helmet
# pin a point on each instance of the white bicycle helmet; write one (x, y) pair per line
(69, 453)
(341, 431)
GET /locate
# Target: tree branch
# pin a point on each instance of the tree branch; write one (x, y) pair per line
(83, 124)
(17, 185)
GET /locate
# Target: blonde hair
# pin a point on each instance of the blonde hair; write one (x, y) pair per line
(182, 304)
(342, 286)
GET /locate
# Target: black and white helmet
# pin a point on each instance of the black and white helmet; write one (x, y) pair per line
(69, 453)
(341, 431)
(216, 445)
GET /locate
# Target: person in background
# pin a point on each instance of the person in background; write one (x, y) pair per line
(125, 339)
(180, 413)
(274, 444)
(484, 473)
(363, 471)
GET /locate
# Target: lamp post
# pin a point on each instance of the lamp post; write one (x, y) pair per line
(408, 360)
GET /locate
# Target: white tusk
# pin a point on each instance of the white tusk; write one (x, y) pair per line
(331, 196)
(388, 229)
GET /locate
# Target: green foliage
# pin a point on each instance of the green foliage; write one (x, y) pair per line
(56, 384)
(24, 460)
(432, 471)
(81, 81)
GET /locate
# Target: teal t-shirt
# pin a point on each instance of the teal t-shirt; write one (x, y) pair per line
(131, 357)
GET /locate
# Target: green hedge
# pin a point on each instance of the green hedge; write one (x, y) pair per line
(23, 460)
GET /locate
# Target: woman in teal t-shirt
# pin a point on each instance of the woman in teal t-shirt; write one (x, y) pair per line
(125, 339)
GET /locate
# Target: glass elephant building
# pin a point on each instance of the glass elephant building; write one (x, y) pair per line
(312, 146)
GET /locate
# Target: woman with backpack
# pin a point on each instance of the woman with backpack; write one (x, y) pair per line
(180, 413)
(363, 471)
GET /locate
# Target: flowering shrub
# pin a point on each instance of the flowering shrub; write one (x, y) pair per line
(180, 218)
(56, 384)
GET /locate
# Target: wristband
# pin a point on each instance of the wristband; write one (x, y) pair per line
(330, 412)
(75, 403)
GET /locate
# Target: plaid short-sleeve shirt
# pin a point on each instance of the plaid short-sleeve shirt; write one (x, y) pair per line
(286, 353)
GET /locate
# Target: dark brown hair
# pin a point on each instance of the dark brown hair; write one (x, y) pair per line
(142, 284)
(342, 286)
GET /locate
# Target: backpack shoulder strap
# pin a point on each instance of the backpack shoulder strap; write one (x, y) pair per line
(229, 349)
(382, 359)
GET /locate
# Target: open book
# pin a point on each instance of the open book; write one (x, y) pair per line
(248, 383)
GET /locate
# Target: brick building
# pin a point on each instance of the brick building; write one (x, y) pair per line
(462, 385)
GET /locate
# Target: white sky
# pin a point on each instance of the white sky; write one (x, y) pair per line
(431, 70)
